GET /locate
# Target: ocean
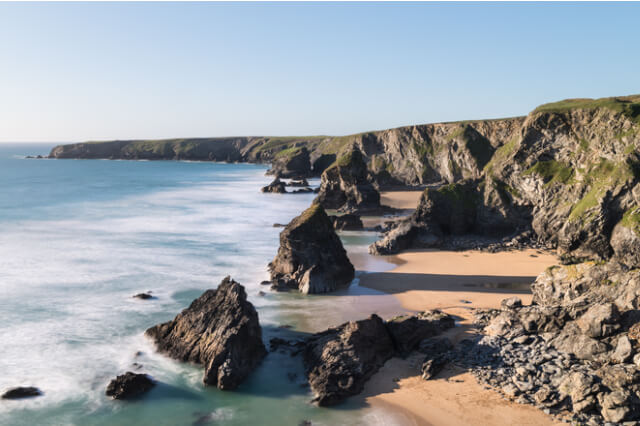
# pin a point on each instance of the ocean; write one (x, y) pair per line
(78, 238)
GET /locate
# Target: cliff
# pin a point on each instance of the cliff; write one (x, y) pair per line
(570, 174)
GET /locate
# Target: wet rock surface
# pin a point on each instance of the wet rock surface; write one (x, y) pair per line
(129, 385)
(220, 331)
(21, 392)
(311, 257)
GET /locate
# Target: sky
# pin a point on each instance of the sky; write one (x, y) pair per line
(97, 71)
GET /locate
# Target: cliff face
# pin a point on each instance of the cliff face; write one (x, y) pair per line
(571, 173)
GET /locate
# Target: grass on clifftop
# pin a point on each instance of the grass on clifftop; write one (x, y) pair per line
(627, 105)
(457, 195)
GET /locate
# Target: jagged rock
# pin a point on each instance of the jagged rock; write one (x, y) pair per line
(276, 187)
(340, 360)
(623, 351)
(443, 211)
(129, 385)
(21, 392)
(290, 163)
(219, 330)
(347, 222)
(346, 185)
(311, 257)
(408, 331)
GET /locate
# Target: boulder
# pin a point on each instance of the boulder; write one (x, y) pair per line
(311, 257)
(21, 392)
(408, 331)
(129, 385)
(143, 296)
(600, 320)
(347, 222)
(219, 330)
(340, 360)
(276, 187)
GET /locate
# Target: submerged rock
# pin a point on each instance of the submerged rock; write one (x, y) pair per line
(219, 330)
(129, 385)
(143, 296)
(311, 257)
(21, 392)
(340, 360)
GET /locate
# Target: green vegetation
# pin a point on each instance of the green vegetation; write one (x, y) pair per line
(288, 152)
(501, 154)
(584, 144)
(504, 190)
(552, 171)
(457, 195)
(601, 178)
(627, 105)
(424, 149)
(631, 219)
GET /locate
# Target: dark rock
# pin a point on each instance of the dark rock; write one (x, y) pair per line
(311, 257)
(129, 385)
(143, 296)
(340, 360)
(278, 225)
(219, 330)
(276, 187)
(21, 392)
(346, 185)
(437, 354)
(511, 303)
(347, 222)
(408, 331)
(293, 162)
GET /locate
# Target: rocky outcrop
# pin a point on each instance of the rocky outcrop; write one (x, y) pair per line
(129, 385)
(291, 163)
(311, 257)
(573, 350)
(275, 187)
(340, 360)
(220, 331)
(407, 332)
(21, 392)
(346, 185)
(347, 222)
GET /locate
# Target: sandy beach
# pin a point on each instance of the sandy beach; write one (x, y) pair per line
(453, 282)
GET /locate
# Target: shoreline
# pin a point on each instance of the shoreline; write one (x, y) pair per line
(454, 282)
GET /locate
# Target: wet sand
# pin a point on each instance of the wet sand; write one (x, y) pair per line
(452, 282)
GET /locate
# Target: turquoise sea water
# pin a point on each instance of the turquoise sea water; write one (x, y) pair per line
(79, 237)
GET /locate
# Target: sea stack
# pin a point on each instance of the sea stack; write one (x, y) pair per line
(311, 257)
(219, 330)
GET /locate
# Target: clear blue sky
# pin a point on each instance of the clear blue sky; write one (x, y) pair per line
(82, 71)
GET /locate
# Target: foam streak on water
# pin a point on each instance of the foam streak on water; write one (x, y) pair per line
(79, 238)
